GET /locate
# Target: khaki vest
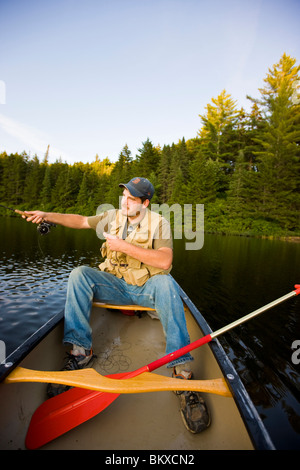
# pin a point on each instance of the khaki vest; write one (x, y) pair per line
(124, 266)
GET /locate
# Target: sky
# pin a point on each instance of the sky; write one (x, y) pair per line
(89, 77)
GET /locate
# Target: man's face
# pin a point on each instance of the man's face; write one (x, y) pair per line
(131, 206)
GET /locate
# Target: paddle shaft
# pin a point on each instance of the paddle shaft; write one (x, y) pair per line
(206, 339)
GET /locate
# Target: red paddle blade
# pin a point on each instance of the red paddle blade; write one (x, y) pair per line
(64, 412)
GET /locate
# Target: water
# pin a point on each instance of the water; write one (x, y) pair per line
(228, 278)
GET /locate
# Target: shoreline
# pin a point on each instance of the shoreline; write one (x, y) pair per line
(286, 238)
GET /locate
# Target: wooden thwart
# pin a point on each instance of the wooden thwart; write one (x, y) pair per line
(97, 303)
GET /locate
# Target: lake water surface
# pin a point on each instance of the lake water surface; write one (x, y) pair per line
(228, 278)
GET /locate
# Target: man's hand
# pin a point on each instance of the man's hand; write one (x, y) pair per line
(115, 243)
(36, 217)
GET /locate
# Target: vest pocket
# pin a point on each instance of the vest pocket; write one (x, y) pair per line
(136, 277)
(133, 263)
(103, 250)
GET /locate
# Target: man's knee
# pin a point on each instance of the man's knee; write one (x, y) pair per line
(163, 283)
(83, 274)
(78, 272)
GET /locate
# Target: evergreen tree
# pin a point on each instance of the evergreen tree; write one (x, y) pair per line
(178, 194)
(100, 195)
(219, 136)
(173, 172)
(14, 169)
(163, 174)
(121, 173)
(253, 124)
(242, 194)
(58, 191)
(180, 159)
(99, 167)
(157, 187)
(83, 195)
(33, 182)
(184, 158)
(72, 185)
(202, 188)
(217, 123)
(46, 190)
(279, 159)
(147, 161)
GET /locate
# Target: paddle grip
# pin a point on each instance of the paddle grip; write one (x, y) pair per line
(180, 352)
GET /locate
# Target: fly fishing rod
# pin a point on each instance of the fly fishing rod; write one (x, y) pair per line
(43, 228)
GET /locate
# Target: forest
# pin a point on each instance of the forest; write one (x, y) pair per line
(243, 166)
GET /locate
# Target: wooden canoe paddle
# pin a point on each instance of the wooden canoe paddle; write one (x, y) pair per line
(62, 413)
(145, 382)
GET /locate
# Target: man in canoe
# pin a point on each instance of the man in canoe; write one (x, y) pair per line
(138, 253)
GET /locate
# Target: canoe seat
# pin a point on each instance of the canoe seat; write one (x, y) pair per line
(125, 309)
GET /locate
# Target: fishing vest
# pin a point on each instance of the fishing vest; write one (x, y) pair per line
(124, 266)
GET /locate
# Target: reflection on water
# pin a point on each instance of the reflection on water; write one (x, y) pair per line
(28, 291)
(228, 278)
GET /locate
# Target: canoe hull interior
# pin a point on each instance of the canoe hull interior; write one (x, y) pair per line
(136, 421)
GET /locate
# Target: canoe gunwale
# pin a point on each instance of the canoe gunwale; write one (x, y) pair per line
(29, 344)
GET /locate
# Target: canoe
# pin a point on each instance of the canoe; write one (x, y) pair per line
(123, 341)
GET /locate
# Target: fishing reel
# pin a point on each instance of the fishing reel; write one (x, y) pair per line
(44, 227)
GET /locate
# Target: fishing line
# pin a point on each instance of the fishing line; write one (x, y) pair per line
(40, 248)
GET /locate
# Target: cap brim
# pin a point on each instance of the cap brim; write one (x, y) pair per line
(133, 191)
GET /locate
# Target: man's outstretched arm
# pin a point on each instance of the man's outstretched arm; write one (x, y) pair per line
(67, 220)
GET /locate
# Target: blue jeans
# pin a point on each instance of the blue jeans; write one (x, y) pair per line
(159, 292)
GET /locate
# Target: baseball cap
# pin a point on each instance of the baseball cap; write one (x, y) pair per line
(139, 187)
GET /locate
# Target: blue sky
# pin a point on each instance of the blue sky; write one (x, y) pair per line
(88, 77)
